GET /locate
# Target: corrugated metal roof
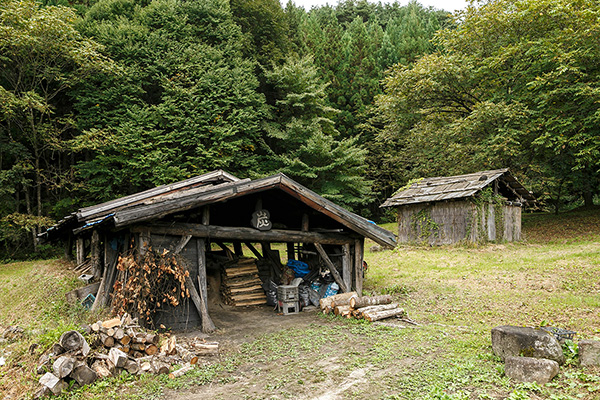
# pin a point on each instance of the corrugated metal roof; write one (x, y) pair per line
(455, 187)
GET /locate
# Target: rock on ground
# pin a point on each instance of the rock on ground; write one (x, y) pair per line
(528, 342)
(529, 369)
(589, 353)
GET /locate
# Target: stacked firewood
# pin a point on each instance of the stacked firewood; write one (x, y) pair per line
(120, 344)
(241, 285)
(371, 308)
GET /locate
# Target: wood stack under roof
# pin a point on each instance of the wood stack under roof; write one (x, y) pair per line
(241, 285)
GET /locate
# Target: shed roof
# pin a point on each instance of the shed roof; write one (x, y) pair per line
(457, 187)
(217, 186)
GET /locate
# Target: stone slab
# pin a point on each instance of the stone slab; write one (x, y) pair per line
(512, 341)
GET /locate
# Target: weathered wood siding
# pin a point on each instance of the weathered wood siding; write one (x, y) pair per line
(456, 221)
(185, 315)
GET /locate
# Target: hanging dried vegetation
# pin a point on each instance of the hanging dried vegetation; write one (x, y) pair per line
(146, 283)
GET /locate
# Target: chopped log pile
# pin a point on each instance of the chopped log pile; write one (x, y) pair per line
(371, 308)
(241, 285)
(117, 345)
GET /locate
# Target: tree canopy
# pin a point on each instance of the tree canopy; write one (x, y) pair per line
(515, 85)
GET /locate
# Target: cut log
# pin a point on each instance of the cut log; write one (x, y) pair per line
(341, 310)
(95, 327)
(125, 340)
(206, 349)
(377, 315)
(181, 371)
(117, 357)
(73, 342)
(327, 301)
(138, 346)
(111, 323)
(344, 301)
(107, 341)
(377, 308)
(53, 383)
(152, 338)
(151, 349)
(101, 369)
(57, 349)
(63, 366)
(365, 301)
(159, 368)
(169, 346)
(84, 375)
(118, 334)
(146, 367)
(132, 367)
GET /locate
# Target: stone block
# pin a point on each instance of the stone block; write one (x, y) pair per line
(515, 341)
(529, 369)
(589, 353)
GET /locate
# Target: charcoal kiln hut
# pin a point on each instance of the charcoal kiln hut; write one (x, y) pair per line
(233, 235)
(482, 206)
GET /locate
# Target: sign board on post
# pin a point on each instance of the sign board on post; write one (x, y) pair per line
(261, 220)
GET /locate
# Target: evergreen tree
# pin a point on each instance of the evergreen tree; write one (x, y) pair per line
(302, 136)
(185, 103)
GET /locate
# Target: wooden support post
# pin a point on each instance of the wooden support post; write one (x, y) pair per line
(80, 250)
(304, 223)
(207, 325)
(237, 249)
(290, 251)
(144, 241)
(336, 275)
(347, 266)
(108, 277)
(95, 254)
(358, 266)
(275, 261)
(69, 247)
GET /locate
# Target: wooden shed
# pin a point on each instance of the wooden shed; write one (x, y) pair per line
(482, 206)
(216, 221)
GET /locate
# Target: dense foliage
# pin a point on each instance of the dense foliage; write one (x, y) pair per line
(102, 98)
(516, 85)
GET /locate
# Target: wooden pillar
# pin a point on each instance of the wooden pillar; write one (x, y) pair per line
(69, 248)
(201, 249)
(305, 223)
(237, 249)
(358, 265)
(80, 250)
(95, 255)
(144, 242)
(290, 251)
(207, 324)
(347, 266)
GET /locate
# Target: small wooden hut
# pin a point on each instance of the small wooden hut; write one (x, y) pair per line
(211, 220)
(482, 206)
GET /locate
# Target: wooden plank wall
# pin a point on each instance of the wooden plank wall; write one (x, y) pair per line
(459, 221)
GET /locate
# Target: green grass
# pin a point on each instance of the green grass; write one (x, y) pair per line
(456, 294)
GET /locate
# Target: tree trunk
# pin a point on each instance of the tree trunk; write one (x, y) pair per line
(358, 302)
(377, 315)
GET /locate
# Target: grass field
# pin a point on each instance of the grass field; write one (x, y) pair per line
(455, 293)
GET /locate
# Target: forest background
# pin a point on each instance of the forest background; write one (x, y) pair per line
(104, 98)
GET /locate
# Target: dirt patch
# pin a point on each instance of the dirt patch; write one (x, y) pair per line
(237, 325)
